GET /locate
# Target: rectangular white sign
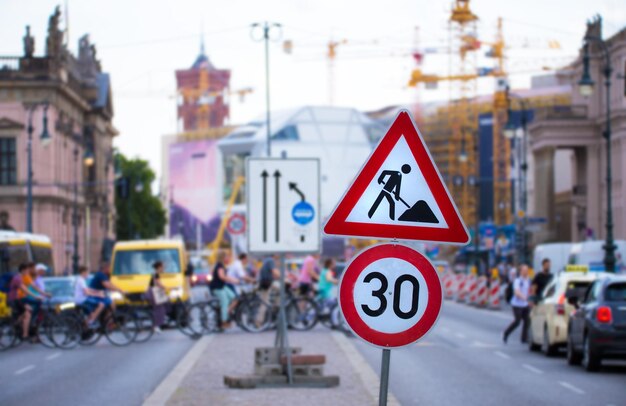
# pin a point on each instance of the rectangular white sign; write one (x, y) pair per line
(283, 198)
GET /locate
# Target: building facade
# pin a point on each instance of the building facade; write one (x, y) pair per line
(580, 211)
(69, 96)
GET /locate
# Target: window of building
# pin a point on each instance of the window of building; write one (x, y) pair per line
(8, 165)
(289, 133)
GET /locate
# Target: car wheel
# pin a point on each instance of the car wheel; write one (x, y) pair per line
(573, 357)
(547, 348)
(531, 341)
(591, 361)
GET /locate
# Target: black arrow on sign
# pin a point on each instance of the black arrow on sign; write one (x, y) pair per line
(294, 186)
(264, 175)
(277, 179)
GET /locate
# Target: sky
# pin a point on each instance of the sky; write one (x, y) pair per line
(142, 42)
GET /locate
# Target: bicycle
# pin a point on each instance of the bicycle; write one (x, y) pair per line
(120, 327)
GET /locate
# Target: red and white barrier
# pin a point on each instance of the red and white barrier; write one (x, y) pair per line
(463, 287)
(449, 285)
(494, 295)
(483, 292)
(472, 290)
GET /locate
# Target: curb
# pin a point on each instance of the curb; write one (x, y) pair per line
(172, 381)
(368, 376)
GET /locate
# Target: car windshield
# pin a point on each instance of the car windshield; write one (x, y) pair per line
(616, 292)
(59, 287)
(13, 256)
(139, 262)
(577, 289)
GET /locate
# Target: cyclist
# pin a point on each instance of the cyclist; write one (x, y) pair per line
(82, 293)
(98, 298)
(237, 271)
(327, 281)
(308, 274)
(24, 296)
(219, 288)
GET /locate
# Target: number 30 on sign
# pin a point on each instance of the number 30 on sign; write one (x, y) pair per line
(390, 295)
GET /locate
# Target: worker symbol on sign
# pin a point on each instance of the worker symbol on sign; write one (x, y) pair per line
(420, 212)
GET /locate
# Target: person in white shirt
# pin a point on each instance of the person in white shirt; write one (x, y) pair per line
(81, 290)
(237, 271)
(40, 271)
(519, 304)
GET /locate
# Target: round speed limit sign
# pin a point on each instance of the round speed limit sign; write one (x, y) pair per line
(390, 295)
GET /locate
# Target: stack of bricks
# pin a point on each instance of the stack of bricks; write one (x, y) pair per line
(270, 369)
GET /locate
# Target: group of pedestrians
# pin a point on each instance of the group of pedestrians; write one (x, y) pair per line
(524, 294)
(228, 278)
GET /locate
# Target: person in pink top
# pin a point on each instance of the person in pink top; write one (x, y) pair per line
(308, 274)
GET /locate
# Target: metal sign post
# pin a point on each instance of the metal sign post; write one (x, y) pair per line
(282, 341)
(283, 216)
(384, 378)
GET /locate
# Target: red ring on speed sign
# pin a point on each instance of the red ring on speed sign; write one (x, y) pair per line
(348, 306)
(236, 224)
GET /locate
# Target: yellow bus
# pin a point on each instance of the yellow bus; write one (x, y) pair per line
(131, 268)
(17, 248)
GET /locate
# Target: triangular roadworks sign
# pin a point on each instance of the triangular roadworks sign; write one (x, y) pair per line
(399, 194)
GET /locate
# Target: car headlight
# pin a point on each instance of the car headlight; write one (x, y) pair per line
(194, 279)
(176, 293)
(116, 296)
(66, 306)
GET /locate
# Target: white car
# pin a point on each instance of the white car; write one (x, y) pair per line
(549, 317)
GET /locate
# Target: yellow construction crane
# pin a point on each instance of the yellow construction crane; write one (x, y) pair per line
(239, 181)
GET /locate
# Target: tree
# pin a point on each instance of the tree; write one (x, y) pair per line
(140, 214)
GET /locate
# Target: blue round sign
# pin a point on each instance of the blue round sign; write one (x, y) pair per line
(303, 213)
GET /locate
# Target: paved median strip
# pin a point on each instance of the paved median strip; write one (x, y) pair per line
(168, 386)
(572, 387)
(370, 379)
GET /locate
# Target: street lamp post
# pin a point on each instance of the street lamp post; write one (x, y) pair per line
(45, 138)
(88, 160)
(267, 28)
(586, 85)
(510, 133)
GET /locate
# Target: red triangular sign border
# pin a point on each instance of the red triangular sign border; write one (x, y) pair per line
(455, 233)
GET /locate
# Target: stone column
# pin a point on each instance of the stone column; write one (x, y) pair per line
(544, 188)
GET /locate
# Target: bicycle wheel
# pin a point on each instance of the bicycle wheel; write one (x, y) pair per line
(7, 334)
(191, 319)
(255, 316)
(64, 331)
(44, 330)
(326, 314)
(120, 328)
(145, 325)
(211, 319)
(302, 314)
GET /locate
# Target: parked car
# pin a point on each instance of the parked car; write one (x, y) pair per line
(61, 288)
(549, 316)
(597, 329)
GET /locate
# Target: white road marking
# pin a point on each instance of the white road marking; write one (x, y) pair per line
(533, 369)
(53, 356)
(460, 335)
(502, 355)
(25, 369)
(480, 344)
(572, 388)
